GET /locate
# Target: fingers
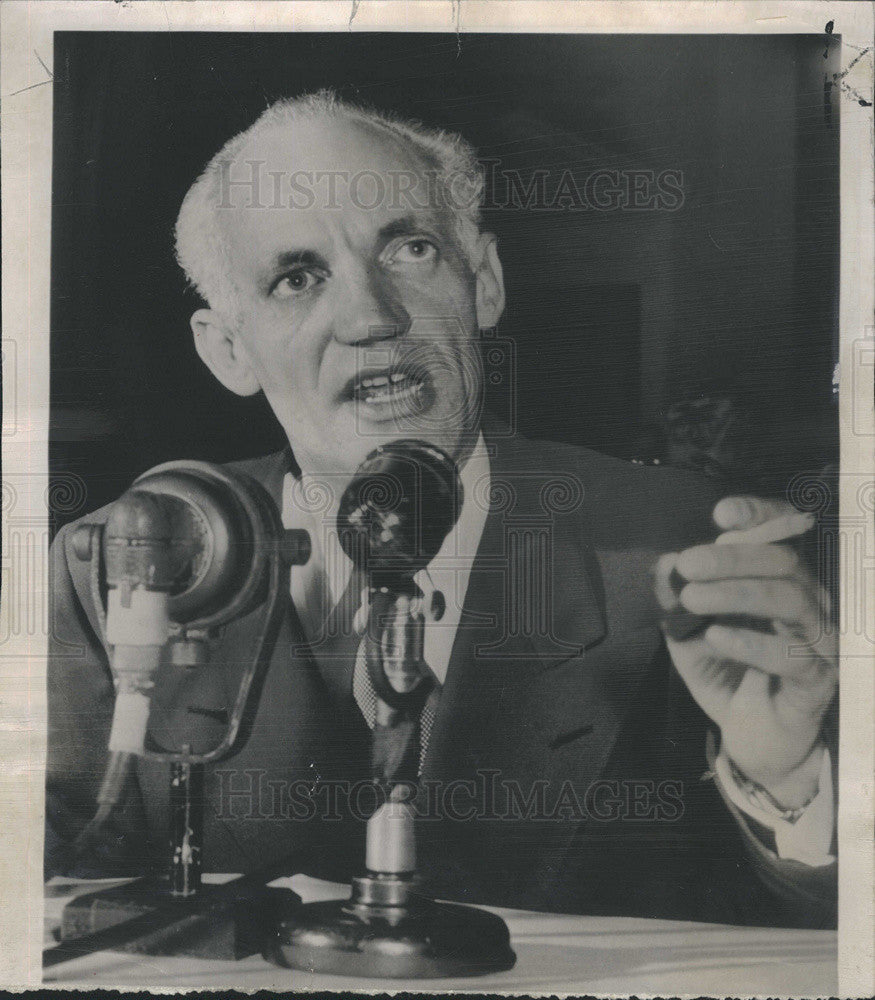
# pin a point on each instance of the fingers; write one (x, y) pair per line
(759, 581)
(772, 654)
(754, 519)
(741, 513)
(665, 593)
(775, 530)
(786, 600)
(714, 562)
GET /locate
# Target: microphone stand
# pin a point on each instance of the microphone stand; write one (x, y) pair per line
(388, 928)
(136, 928)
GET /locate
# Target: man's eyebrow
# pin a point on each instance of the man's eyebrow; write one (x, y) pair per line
(295, 258)
(405, 226)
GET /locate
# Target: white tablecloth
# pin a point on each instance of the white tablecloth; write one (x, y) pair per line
(555, 954)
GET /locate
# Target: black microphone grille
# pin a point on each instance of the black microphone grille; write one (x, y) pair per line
(400, 505)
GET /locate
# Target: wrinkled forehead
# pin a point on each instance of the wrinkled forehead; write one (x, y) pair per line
(305, 183)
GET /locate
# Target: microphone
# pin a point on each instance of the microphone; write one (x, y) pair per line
(392, 520)
(188, 549)
(398, 508)
(141, 565)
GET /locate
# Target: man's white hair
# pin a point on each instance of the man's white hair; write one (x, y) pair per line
(201, 243)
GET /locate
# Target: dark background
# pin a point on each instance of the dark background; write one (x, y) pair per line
(729, 303)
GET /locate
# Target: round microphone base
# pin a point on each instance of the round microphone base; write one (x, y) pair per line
(386, 931)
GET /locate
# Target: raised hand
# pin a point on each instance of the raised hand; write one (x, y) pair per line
(765, 669)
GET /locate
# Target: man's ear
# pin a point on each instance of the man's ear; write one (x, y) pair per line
(490, 282)
(222, 351)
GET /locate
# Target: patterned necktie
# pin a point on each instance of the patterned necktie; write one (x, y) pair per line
(366, 699)
(333, 641)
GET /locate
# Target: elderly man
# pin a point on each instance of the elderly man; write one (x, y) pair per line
(578, 754)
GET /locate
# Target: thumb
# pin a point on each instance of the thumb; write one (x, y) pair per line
(737, 513)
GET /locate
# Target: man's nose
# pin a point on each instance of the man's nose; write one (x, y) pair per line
(371, 310)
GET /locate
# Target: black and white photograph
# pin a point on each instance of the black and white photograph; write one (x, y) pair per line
(454, 454)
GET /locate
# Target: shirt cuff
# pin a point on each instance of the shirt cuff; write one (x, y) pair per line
(808, 839)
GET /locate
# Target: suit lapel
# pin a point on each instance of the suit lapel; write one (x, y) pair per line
(532, 606)
(535, 695)
(537, 683)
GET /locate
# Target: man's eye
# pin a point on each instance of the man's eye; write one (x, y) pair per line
(295, 284)
(416, 251)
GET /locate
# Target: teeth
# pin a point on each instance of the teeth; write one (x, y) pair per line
(384, 391)
(383, 380)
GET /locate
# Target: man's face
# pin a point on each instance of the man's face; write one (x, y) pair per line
(359, 320)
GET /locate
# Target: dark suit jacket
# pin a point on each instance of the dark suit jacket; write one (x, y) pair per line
(566, 750)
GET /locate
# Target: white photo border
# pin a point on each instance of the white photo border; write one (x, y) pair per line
(26, 92)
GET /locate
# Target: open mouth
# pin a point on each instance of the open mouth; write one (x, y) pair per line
(389, 386)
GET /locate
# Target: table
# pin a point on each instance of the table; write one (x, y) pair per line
(556, 953)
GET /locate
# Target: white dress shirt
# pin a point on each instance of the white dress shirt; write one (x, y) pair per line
(318, 586)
